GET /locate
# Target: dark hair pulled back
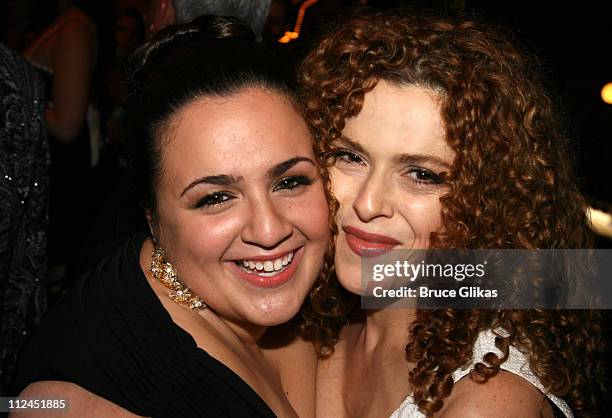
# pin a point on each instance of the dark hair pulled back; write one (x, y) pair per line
(212, 56)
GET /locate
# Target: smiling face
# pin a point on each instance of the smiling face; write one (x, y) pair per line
(386, 177)
(241, 210)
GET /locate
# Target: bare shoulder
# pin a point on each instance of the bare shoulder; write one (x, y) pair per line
(80, 402)
(77, 31)
(505, 396)
(75, 16)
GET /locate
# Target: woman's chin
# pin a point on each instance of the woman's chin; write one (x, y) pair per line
(276, 314)
(273, 320)
(350, 279)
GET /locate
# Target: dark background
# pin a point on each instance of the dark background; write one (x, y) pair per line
(573, 44)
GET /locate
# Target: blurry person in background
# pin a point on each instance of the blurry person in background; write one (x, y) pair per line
(24, 198)
(141, 6)
(128, 31)
(165, 12)
(128, 34)
(63, 49)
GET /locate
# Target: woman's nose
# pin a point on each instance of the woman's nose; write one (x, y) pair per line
(373, 199)
(267, 225)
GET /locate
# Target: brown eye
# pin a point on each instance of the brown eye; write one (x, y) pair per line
(290, 183)
(423, 176)
(347, 156)
(214, 199)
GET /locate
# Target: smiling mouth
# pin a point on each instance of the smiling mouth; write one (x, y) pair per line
(366, 244)
(267, 268)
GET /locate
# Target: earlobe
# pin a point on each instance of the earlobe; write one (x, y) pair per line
(150, 223)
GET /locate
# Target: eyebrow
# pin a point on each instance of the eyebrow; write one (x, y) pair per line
(280, 169)
(420, 159)
(228, 180)
(355, 145)
(219, 180)
(401, 158)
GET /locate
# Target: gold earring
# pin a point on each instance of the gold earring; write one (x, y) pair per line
(164, 271)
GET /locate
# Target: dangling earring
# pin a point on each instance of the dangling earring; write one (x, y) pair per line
(164, 271)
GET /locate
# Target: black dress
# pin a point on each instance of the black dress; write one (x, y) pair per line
(24, 196)
(113, 337)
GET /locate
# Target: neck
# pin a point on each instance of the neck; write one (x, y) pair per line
(387, 327)
(249, 334)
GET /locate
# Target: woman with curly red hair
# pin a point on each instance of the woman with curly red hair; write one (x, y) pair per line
(439, 135)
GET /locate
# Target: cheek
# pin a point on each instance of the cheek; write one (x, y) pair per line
(310, 213)
(422, 213)
(202, 237)
(348, 266)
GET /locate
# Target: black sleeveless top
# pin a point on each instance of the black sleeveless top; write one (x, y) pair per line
(113, 337)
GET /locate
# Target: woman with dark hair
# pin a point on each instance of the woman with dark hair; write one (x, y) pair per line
(439, 135)
(224, 168)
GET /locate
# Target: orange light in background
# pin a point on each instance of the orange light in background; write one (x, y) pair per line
(606, 93)
(290, 36)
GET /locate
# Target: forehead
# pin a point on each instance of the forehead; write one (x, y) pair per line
(250, 130)
(400, 119)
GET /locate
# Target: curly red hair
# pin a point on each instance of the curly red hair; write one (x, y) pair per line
(510, 186)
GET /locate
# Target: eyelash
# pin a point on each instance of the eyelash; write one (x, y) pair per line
(214, 199)
(350, 157)
(431, 177)
(293, 182)
(219, 198)
(346, 156)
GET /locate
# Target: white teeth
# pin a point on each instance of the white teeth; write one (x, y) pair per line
(268, 266)
(267, 274)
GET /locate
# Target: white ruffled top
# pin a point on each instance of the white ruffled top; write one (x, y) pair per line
(516, 363)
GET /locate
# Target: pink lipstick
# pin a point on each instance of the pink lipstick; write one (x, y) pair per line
(366, 244)
(268, 279)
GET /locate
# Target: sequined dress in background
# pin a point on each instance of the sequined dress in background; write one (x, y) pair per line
(24, 196)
